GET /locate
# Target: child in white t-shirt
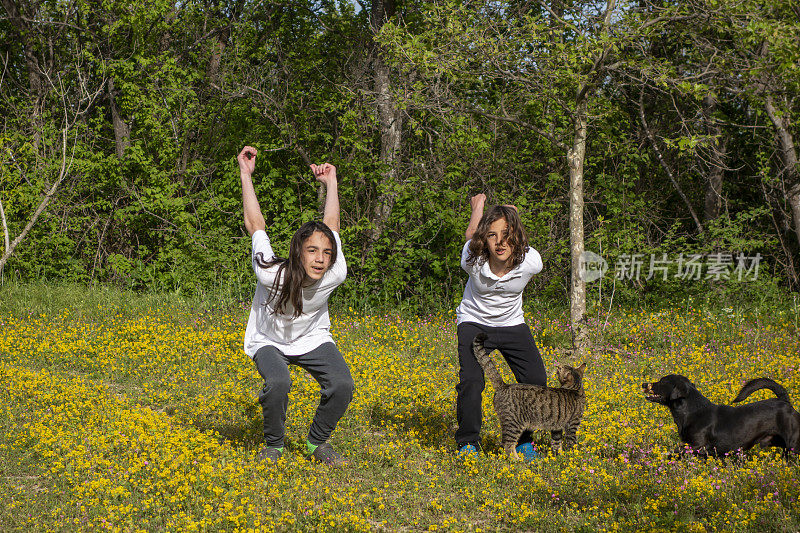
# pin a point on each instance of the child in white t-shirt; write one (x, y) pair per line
(499, 263)
(289, 322)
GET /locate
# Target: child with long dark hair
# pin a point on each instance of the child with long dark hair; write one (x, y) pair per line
(289, 322)
(499, 263)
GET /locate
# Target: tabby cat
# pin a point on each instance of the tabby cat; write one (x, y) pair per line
(522, 407)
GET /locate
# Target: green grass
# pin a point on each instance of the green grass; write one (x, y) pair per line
(129, 412)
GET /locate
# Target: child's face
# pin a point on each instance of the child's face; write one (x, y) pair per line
(497, 240)
(317, 251)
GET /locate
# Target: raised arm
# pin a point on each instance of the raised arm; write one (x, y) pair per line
(326, 173)
(476, 203)
(253, 219)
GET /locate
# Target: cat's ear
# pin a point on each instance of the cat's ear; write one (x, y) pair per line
(581, 368)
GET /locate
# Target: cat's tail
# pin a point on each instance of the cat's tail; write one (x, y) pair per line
(762, 383)
(489, 368)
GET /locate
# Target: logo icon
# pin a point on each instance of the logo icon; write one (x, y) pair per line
(592, 267)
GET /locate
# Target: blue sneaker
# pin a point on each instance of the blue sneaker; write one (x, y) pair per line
(468, 450)
(527, 452)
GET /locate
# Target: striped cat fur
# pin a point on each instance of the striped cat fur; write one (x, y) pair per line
(522, 407)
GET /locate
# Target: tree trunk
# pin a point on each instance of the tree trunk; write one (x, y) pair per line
(577, 299)
(782, 226)
(713, 203)
(390, 122)
(788, 155)
(35, 82)
(575, 159)
(122, 132)
(794, 201)
(219, 44)
(6, 241)
(713, 194)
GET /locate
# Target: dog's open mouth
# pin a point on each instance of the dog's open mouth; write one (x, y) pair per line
(650, 394)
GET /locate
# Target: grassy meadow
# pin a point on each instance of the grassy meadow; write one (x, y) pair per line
(138, 413)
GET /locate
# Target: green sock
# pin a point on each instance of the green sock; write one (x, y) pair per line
(311, 447)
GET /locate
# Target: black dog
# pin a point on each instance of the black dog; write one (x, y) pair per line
(711, 429)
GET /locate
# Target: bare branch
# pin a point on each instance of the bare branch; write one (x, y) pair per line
(5, 69)
(5, 227)
(506, 118)
(671, 19)
(66, 159)
(292, 140)
(42, 205)
(663, 163)
(560, 19)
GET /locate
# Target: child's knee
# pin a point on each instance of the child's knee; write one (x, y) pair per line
(474, 385)
(277, 386)
(341, 389)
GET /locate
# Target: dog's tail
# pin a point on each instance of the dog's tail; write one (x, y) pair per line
(762, 383)
(489, 368)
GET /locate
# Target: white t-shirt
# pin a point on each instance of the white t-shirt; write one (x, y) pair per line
(496, 301)
(292, 336)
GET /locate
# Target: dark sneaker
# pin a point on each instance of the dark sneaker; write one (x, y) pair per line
(270, 454)
(327, 455)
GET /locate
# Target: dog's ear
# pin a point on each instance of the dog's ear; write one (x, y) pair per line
(681, 390)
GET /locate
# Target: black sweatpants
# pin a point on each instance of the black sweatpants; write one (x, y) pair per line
(326, 364)
(517, 346)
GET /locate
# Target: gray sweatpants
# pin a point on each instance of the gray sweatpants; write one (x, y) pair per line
(327, 366)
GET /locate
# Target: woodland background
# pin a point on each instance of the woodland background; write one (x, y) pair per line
(120, 122)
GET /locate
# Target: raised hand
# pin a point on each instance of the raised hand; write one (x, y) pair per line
(247, 160)
(253, 219)
(477, 202)
(326, 173)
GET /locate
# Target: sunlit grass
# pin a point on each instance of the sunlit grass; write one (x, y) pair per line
(127, 413)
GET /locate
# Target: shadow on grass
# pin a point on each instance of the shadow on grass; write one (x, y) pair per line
(431, 426)
(435, 427)
(244, 430)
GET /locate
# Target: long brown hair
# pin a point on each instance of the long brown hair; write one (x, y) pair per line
(289, 290)
(517, 240)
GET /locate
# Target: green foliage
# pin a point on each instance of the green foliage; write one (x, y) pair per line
(193, 82)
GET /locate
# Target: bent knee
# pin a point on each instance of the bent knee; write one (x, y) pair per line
(471, 384)
(278, 385)
(345, 387)
(341, 389)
